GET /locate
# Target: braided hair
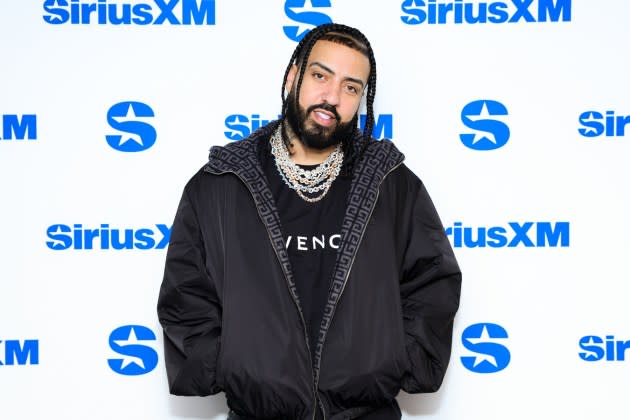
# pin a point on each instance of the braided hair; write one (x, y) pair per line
(352, 38)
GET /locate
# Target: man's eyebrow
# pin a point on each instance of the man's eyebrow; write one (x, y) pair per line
(329, 70)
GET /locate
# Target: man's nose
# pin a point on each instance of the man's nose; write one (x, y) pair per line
(331, 95)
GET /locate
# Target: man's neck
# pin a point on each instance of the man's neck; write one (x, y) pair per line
(303, 155)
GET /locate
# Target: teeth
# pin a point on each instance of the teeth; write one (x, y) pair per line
(325, 116)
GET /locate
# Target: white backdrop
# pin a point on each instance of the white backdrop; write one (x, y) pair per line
(560, 302)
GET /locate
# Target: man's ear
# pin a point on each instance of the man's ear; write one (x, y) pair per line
(290, 78)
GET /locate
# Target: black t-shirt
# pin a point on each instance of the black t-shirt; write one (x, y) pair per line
(312, 236)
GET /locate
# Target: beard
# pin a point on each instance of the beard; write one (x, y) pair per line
(316, 136)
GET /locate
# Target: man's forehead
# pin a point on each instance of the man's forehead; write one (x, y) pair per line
(342, 54)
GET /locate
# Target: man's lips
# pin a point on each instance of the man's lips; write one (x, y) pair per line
(324, 117)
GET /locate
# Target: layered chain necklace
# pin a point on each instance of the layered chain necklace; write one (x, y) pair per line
(311, 181)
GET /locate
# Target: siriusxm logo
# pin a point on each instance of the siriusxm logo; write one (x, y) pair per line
(103, 12)
(309, 16)
(131, 341)
(64, 237)
(442, 12)
(484, 116)
(131, 118)
(595, 124)
(485, 341)
(15, 127)
(20, 353)
(240, 126)
(546, 234)
(608, 349)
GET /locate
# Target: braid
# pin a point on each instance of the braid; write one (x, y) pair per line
(352, 38)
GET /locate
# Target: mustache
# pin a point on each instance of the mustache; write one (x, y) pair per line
(325, 107)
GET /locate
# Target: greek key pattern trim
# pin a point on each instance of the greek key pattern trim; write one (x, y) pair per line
(378, 160)
(241, 158)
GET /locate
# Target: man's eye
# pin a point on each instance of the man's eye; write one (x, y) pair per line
(318, 76)
(352, 89)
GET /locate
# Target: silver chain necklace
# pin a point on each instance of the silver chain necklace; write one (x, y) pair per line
(318, 179)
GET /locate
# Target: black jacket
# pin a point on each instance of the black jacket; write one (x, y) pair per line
(231, 314)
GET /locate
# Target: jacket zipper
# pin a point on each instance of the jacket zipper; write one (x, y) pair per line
(345, 281)
(315, 395)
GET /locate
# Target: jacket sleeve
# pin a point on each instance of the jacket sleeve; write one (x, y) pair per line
(189, 309)
(430, 291)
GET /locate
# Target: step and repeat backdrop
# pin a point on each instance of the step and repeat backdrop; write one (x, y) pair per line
(515, 113)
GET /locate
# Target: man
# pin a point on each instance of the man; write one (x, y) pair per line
(308, 274)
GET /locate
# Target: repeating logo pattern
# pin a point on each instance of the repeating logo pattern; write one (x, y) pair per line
(131, 118)
(515, 234)
(307, 17)
(77, 237)
(132, 343)
(486, 341)
(19, 127)
(19, 352)
(240, 126)
(487, 128)
(609, 349)
(596, 124)
(485, 117)
(111, 12)
(434, 12)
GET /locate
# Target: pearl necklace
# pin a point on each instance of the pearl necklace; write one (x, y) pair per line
(303, 180)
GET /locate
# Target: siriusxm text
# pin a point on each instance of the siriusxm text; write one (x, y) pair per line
(104, 12)
(76, 236)
(526, 234)
(442, 12)
(18, 352)
(240, 126)
(596, 348)
(595, 124)
(16, 127)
